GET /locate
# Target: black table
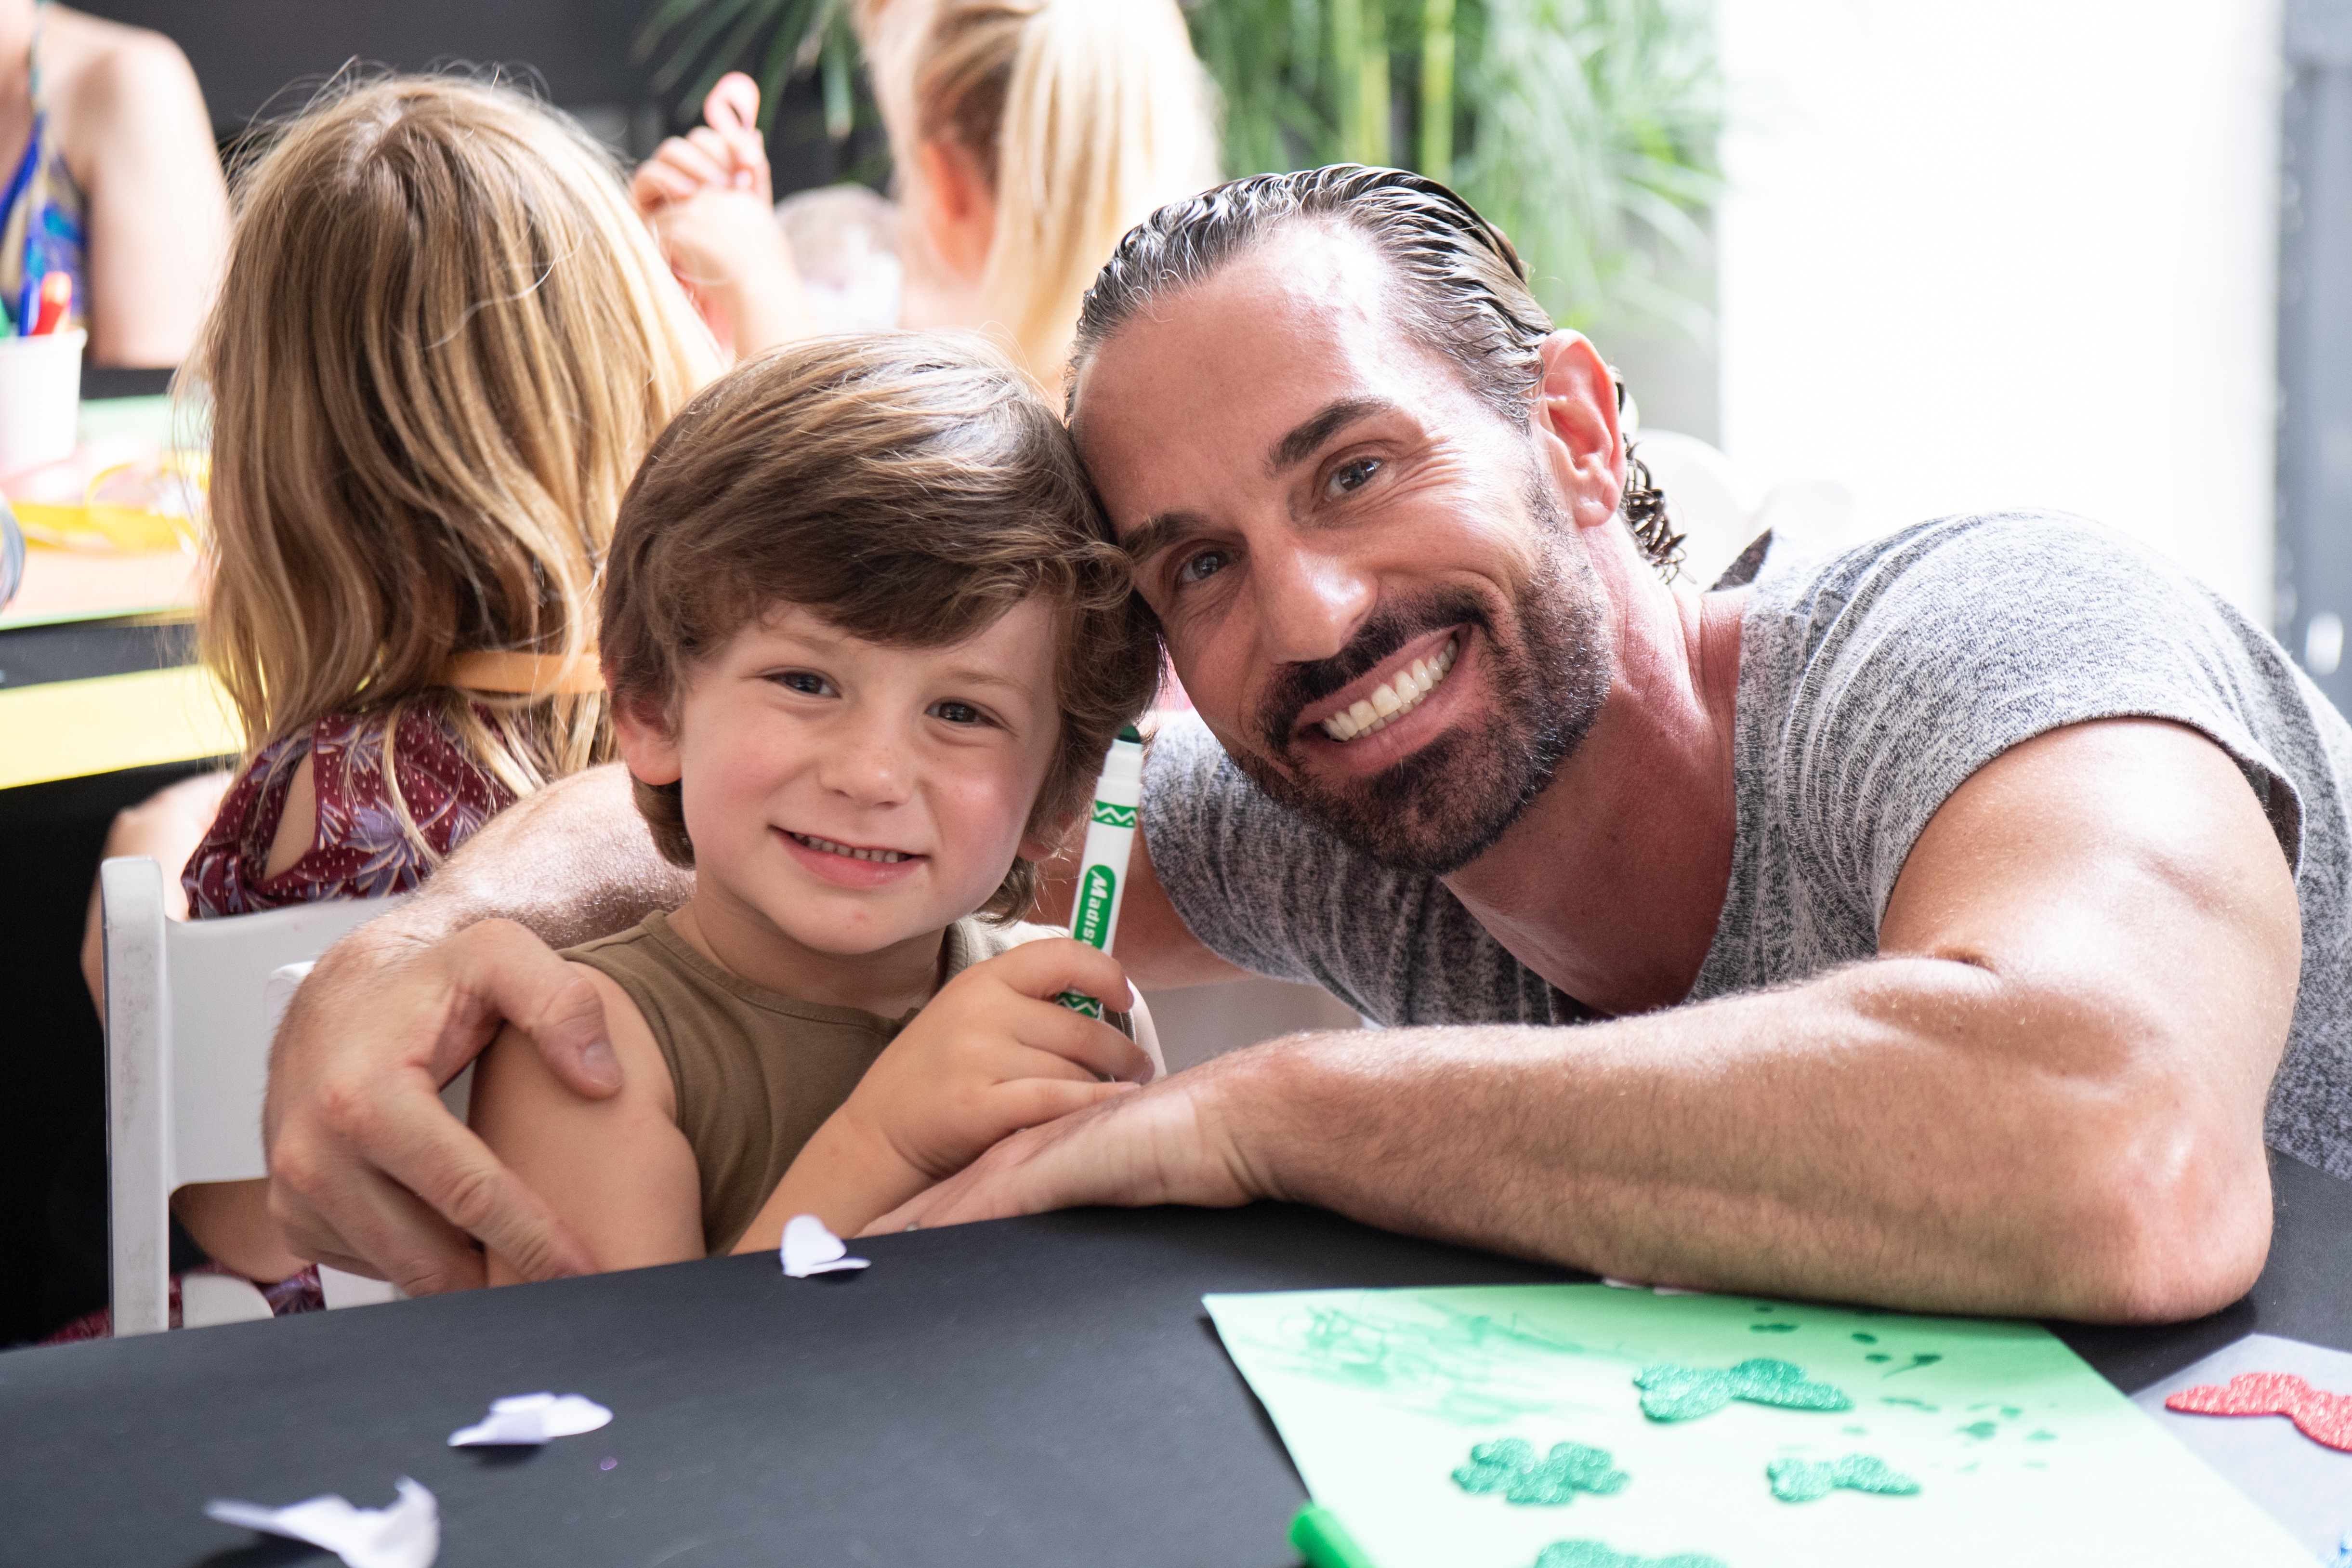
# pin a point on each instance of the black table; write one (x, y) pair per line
(1031, 1393)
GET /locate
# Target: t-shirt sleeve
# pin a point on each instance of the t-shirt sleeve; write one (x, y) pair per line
(1973, 636)
(1266, 889)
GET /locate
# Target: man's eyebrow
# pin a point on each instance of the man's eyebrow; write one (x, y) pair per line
(1158, 535)
(1308, 439)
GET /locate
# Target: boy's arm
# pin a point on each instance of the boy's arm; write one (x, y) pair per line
(990, 1054)
(617, 1171)
(367, 1171)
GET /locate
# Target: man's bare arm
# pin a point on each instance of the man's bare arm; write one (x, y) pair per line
(368, 1171)
(2046, 1097)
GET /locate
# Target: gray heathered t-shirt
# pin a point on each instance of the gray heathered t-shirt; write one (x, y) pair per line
(1872, 683)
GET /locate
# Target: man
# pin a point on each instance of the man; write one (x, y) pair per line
(1992, 850)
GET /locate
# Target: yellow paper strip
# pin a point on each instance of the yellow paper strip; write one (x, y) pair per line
(70, 729)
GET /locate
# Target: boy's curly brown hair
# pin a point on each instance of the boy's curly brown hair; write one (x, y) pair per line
(909, 489)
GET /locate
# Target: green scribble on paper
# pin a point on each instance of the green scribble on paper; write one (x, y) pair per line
(1471, 1367)
(1925, 1357)
(1509, 1465)
(1593, 1554)
(1771, 1328)
(2042, 1435)
(1382, 1395)
(1877, 1356)
(1865, 1339)
(1808, 1480)
(1980, 1430)
(1671, 1393)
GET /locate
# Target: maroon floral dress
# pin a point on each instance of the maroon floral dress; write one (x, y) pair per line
(360, 851)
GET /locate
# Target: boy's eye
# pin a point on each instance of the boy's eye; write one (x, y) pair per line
(806, 681)
(958, 713)
(1201, 567)
(1350, 477)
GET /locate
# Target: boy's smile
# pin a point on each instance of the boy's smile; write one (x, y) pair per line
(849, 800)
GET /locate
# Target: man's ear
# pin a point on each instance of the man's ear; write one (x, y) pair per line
(959, 211)
(647, 744)
(1575, 422)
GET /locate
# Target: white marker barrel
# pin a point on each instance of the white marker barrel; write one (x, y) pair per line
(1102, 867)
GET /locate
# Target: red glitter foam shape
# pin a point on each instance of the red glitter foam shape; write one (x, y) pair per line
(2322, 1417)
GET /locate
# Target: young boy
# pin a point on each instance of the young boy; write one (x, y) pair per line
(865, 650)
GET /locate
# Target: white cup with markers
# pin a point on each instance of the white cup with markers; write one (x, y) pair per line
(40, 399)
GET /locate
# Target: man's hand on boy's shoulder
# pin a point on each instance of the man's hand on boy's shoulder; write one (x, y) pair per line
(369, 1172)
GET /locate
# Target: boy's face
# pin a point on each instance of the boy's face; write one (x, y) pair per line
(799, 744)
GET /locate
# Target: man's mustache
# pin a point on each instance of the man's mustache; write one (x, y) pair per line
(1295, 687)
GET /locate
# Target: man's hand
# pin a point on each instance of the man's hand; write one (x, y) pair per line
(992, 1053)
(368, 1171)
(1157, 1145)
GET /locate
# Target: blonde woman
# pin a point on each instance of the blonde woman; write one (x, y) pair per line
(442, 346)
(1028, 136)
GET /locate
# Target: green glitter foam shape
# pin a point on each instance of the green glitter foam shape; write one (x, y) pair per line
(1509, 1465)
(1672, 1392)
(1804, 1480)
(1593, 1554)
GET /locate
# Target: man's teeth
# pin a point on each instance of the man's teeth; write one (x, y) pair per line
(887, 856)
(1392, 701)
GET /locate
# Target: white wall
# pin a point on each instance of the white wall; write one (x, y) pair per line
(2009, 251)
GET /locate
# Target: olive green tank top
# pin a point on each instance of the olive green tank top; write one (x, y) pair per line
(756, 1072)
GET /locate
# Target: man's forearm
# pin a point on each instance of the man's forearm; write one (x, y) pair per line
(571, 863)
(1912, 1132)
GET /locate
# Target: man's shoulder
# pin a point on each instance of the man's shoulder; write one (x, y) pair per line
(2052, 547)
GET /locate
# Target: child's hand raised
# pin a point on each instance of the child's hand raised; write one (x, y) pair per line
(992, 1053)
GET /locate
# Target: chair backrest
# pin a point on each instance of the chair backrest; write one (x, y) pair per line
(188, 1023)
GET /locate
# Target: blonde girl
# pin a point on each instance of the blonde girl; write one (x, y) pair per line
(443, 343)
(1028, 136)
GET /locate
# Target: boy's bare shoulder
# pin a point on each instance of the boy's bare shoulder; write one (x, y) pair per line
(513, 1068)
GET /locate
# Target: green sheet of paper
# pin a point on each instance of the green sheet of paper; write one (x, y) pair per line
(2023, 1454)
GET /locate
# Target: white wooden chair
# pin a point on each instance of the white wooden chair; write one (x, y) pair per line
(190, 1009)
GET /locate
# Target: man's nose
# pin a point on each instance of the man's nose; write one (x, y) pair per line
(1309, 603)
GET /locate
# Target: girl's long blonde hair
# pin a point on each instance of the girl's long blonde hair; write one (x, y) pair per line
(1086, 116)
(442, 345)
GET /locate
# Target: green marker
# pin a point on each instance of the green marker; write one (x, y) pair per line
(1102, 868)
(1324, 1541)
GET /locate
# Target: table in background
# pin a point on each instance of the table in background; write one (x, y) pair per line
(99, 709)
(1031, 1393)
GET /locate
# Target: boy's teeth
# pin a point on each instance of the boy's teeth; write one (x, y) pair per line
(1392, 700)
(887, 856)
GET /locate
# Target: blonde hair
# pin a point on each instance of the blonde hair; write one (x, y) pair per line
(1083, 115)
(441, 346)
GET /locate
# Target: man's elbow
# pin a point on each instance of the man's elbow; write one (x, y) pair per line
(2164, 1223)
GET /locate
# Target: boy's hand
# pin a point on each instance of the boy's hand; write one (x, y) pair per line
(992, 1053)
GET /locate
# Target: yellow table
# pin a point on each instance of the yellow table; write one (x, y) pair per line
(76, 728)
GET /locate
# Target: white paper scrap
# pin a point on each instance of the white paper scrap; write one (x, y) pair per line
(533, 1418)
(810, 1248)
(406, 1535)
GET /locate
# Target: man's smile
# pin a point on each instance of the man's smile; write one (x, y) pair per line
(1385, 694)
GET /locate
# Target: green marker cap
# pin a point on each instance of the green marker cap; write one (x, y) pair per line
(1324, 1541)
(1129, 732)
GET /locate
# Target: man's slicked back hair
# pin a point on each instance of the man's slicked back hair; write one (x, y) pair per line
(1461, 288)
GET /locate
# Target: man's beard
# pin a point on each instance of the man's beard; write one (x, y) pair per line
(1444, 806)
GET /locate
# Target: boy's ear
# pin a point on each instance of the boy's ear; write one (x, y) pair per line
(1042, 848)
(648, 746)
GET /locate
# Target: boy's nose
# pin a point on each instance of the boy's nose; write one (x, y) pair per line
(870, 763)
